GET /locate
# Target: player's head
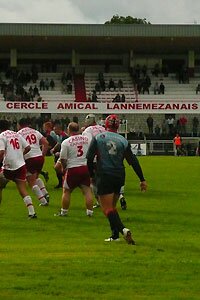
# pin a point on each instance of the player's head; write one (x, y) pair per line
(73, 128)
(23, 123)
(112, 123)
(90, 120)
(4, 125)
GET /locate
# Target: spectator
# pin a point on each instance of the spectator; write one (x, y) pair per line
(111, 85)
(156, 88)
(157, 130)
(162, 88)
(120, 84)
(69, 87)
(123, 98)
(183, 122)
(170, 122)
(94, 97)
(195, 125)
(41, 84)
(198, 88)
(117, 98)
(98, 88)
(164, 127)
(52, 84)
(46, 84)
(150, 124)
(89, 97)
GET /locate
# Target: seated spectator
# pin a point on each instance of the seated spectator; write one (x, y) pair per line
(145, 86)
(94, 97)
(198, 88)
(156, 88)
(69, 87)
(117, 98)
(111, 84)
(162, 88)
(35, 91)
(120, 84)
(46, 84)
(100, 76)
(89, 98)
(98, 88)
(102, 84)
(123, 98)
(52, 84)
(41, 84)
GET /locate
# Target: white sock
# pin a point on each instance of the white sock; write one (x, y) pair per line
(41, 185)
(89, 212)
(36, 190)
(63, 211)
(29, 205)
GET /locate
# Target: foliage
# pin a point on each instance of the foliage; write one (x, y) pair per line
(66, 258)
(116, 19)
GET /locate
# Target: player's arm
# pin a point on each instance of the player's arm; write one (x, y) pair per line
(63, 156)
(2, 152)
(2, 149)
(25, 145)
(133, 161)
(45, 145)
(27, 149)
(90, 156)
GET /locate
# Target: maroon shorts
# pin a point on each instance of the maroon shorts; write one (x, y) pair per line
(75, 177)
(19, 174)
(35, 164)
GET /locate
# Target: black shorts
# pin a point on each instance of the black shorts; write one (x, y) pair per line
(108, 184)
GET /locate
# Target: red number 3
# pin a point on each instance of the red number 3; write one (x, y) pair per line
(79, 151)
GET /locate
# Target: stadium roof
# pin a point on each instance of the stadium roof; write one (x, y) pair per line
(51, 38)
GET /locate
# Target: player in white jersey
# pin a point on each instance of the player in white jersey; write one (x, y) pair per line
(73, 159)
(35, 159)
(91, 130)
(12, 149)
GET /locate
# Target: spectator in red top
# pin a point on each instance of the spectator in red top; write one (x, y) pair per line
(183, 122)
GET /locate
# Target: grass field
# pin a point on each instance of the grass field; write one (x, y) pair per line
(67, 258)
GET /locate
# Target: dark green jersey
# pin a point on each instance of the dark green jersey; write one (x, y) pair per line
(111, 148)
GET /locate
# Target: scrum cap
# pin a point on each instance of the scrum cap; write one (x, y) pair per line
(90, 119)
(112, 123)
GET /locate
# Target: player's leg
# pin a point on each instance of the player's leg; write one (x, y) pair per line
(122, 199)
(32, 181)
(21, 186)
(3, 183)
(65, 203)
(87, 192)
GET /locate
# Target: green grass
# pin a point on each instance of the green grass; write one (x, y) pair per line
(66, 258)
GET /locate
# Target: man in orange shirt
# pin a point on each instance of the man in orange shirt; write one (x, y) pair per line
(177, 144)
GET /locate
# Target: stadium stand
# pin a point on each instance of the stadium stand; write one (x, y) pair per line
(108, 95)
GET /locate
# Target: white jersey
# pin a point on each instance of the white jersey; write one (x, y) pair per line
(13, 144)
(74, 150)
(92, 131)
(33, 137)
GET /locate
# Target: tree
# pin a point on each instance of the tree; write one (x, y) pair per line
(116, 19)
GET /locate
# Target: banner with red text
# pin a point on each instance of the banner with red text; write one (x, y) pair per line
(100, 108)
